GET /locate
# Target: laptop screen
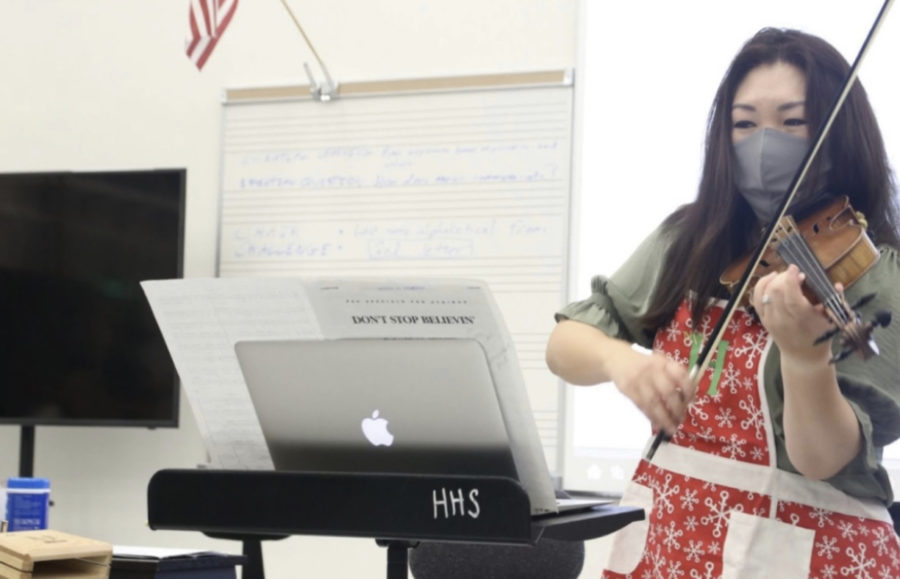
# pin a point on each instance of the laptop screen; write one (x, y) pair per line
(377, 405)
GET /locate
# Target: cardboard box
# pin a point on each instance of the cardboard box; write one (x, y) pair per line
(48, 554)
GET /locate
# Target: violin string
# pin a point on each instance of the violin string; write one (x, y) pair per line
(794, 249)
(810, 265)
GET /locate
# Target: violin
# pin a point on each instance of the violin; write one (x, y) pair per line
(829, 246)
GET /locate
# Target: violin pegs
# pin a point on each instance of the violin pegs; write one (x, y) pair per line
(882, 318)
(863, 301)
(826, 336)
(840, 356)
(873, 347)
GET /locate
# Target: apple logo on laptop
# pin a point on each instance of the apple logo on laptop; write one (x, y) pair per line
(376, 430)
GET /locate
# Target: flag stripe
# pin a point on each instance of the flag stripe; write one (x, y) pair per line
(208, 26)
(193, 37)
(207, 21)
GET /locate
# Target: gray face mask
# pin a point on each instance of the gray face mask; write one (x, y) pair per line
(766, 163)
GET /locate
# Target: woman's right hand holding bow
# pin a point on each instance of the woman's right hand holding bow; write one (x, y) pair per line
(661, 388)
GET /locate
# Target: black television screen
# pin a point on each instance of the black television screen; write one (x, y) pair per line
(78, 342)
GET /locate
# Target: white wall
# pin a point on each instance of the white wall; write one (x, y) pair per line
(105, 84)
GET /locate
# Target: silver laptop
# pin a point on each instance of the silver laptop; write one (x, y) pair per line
(377, 405)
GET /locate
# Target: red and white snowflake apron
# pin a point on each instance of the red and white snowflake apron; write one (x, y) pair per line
(717, 507)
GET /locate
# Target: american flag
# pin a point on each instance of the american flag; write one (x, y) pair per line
(208, 20)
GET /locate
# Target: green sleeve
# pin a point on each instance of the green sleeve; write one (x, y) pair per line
(618, 302)
(871, 386)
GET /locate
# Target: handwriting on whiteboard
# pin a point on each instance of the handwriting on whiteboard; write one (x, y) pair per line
(356, 166)
(387, 240)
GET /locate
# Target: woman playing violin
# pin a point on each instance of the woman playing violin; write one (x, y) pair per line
(772, 468)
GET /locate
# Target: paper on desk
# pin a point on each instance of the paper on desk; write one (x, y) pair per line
(202, 319)
(159, 553)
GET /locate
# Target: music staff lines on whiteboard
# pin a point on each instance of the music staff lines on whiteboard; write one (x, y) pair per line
(538, 270)
(366, 209)
(543, 265)
(376, 217)
(316, 144)
(451, 197)
(431, 116)
(427, 110)
(397, 125)
(317, 149)
(384, 211)
(480, 191)
(251, 147)
(253, 133)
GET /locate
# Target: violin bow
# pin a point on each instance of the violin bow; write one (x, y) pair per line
(705, 356)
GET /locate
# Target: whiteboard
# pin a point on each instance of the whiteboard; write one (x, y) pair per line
(461, 177)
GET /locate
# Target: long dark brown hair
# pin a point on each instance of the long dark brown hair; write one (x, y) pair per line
(718, 226)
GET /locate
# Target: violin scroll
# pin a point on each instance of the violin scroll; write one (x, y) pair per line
(856, 336)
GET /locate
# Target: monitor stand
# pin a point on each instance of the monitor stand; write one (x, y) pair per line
(26, 451)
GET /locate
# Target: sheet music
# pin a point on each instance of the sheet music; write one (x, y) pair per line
(202, 319)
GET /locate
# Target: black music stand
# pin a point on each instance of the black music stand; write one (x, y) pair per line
(397, 510)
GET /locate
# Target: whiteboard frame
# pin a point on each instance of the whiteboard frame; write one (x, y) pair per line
(404, 86)
(412, 86)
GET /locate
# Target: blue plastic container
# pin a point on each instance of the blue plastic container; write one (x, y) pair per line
(27, 503)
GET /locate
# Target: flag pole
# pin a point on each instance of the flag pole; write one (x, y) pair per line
(323, 93)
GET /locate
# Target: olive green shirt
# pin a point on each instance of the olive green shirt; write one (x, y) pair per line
(871, 386)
